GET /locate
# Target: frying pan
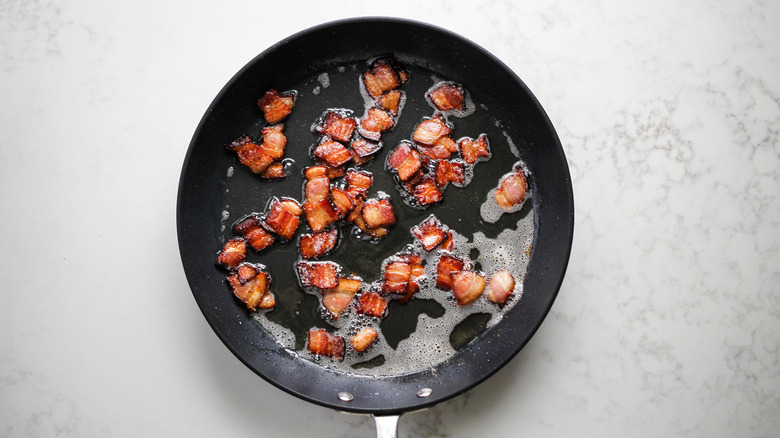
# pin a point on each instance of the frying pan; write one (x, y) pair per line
(323, 65)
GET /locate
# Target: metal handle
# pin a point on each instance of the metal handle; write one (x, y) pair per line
(386, 426)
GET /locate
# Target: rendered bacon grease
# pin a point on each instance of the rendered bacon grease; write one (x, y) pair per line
(466, 275)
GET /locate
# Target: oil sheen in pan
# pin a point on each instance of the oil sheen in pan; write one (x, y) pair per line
(431, 327)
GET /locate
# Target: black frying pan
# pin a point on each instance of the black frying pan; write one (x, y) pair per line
(507, 110)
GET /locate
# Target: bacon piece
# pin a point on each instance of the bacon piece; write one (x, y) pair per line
(416, 274)
(500, 287)
(448, 264)
(245, 272)
(371, 304)
(429, 131)
(337, 299)
(357, 219)
(473, 150)
(322, 343)
(316, 245)
(283, 217)
(322, 275)
(378, 213)
(439, 151)
(333, 172)
(233, 253)
(375, 122)
(450, 172)
(276, 106)
(358, 183)
(320, 214)
(397, 276)
(467, 286)
(405, 161)
(426, 192)
(511, 191)
(250, 154)
(274, 171)
(363, 339)
(274, 141)
(365, 148)
(337, 127)
(332, 152)
(448, 243)
(391, 101)
(317, 185)
(342, 202)
(267, 302)
(253, 287)
(382, 77)
(447, 97)
(429, 232)
(253, 231)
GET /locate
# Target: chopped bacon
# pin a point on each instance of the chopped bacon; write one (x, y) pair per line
(429, 232)
(429, 131)
(356, 214)
(500, 287)
(447, 97)
(405, 160)
(332, 152)
(473, 150)
(363, 339)
(467, 286)
(246, 272)
(337, 127)
(274, 141)
(274, 171)
(312, 172)
(365, 148)
(333, 172)
(448, 243)
(253, 288)
(316, 245)
(320, 214)
(276, 106)
(267, 302)
(511, 192)
(378, 213)
(323, 343)
(322, 275)
(371, 304)
(253, 231)
(233, 253)
(391, 101)
(375, 122)
(358, 183)
(382, 77)
(450, 172)
(447, 265)
(439, 151)
(250, 154)
(337, 299)
(342, 202)
(397, 276)
(283, 217)
(317, 188)
(357, 218)
(426, 192)
(416, 274)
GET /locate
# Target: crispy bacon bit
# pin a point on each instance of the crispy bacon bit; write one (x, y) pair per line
(357, 219)
(405, 161)
(320, 214)
(511, 192)
(500, 287)
(253, 231)
(333, 172)
(363, 339)
(397, 276)
(323, 343)
(267, 302)
(365, 148)
(312, 172)
(252, 289)
(391, 101)
(276, 106)
(467, 286)
(375, 122)
(378, 213)
(282, 217)
(382, 77)
(337, 127)
(322, 275)
(274, 141)
(316, 245)
(429, 131)
(450, 172)
(429, 232)
(447, 265)
(274, 171)
(233, 253)
(447, 97)
(250, 154)
(337, 300)
(371, 304)
(332, 152)
(358, 183)
(448, 243)
(473, 150)
(438, 151)
(246, 272)
(342, 202)
(416, 274)
(426, 192)
(317, 185)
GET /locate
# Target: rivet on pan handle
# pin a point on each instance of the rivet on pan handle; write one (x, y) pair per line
(386, 426)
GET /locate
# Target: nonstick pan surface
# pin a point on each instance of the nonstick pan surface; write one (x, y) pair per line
(215, 190)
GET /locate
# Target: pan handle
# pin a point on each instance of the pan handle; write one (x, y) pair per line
(386, 426)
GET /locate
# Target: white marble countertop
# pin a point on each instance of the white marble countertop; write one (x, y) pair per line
(668, 321)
